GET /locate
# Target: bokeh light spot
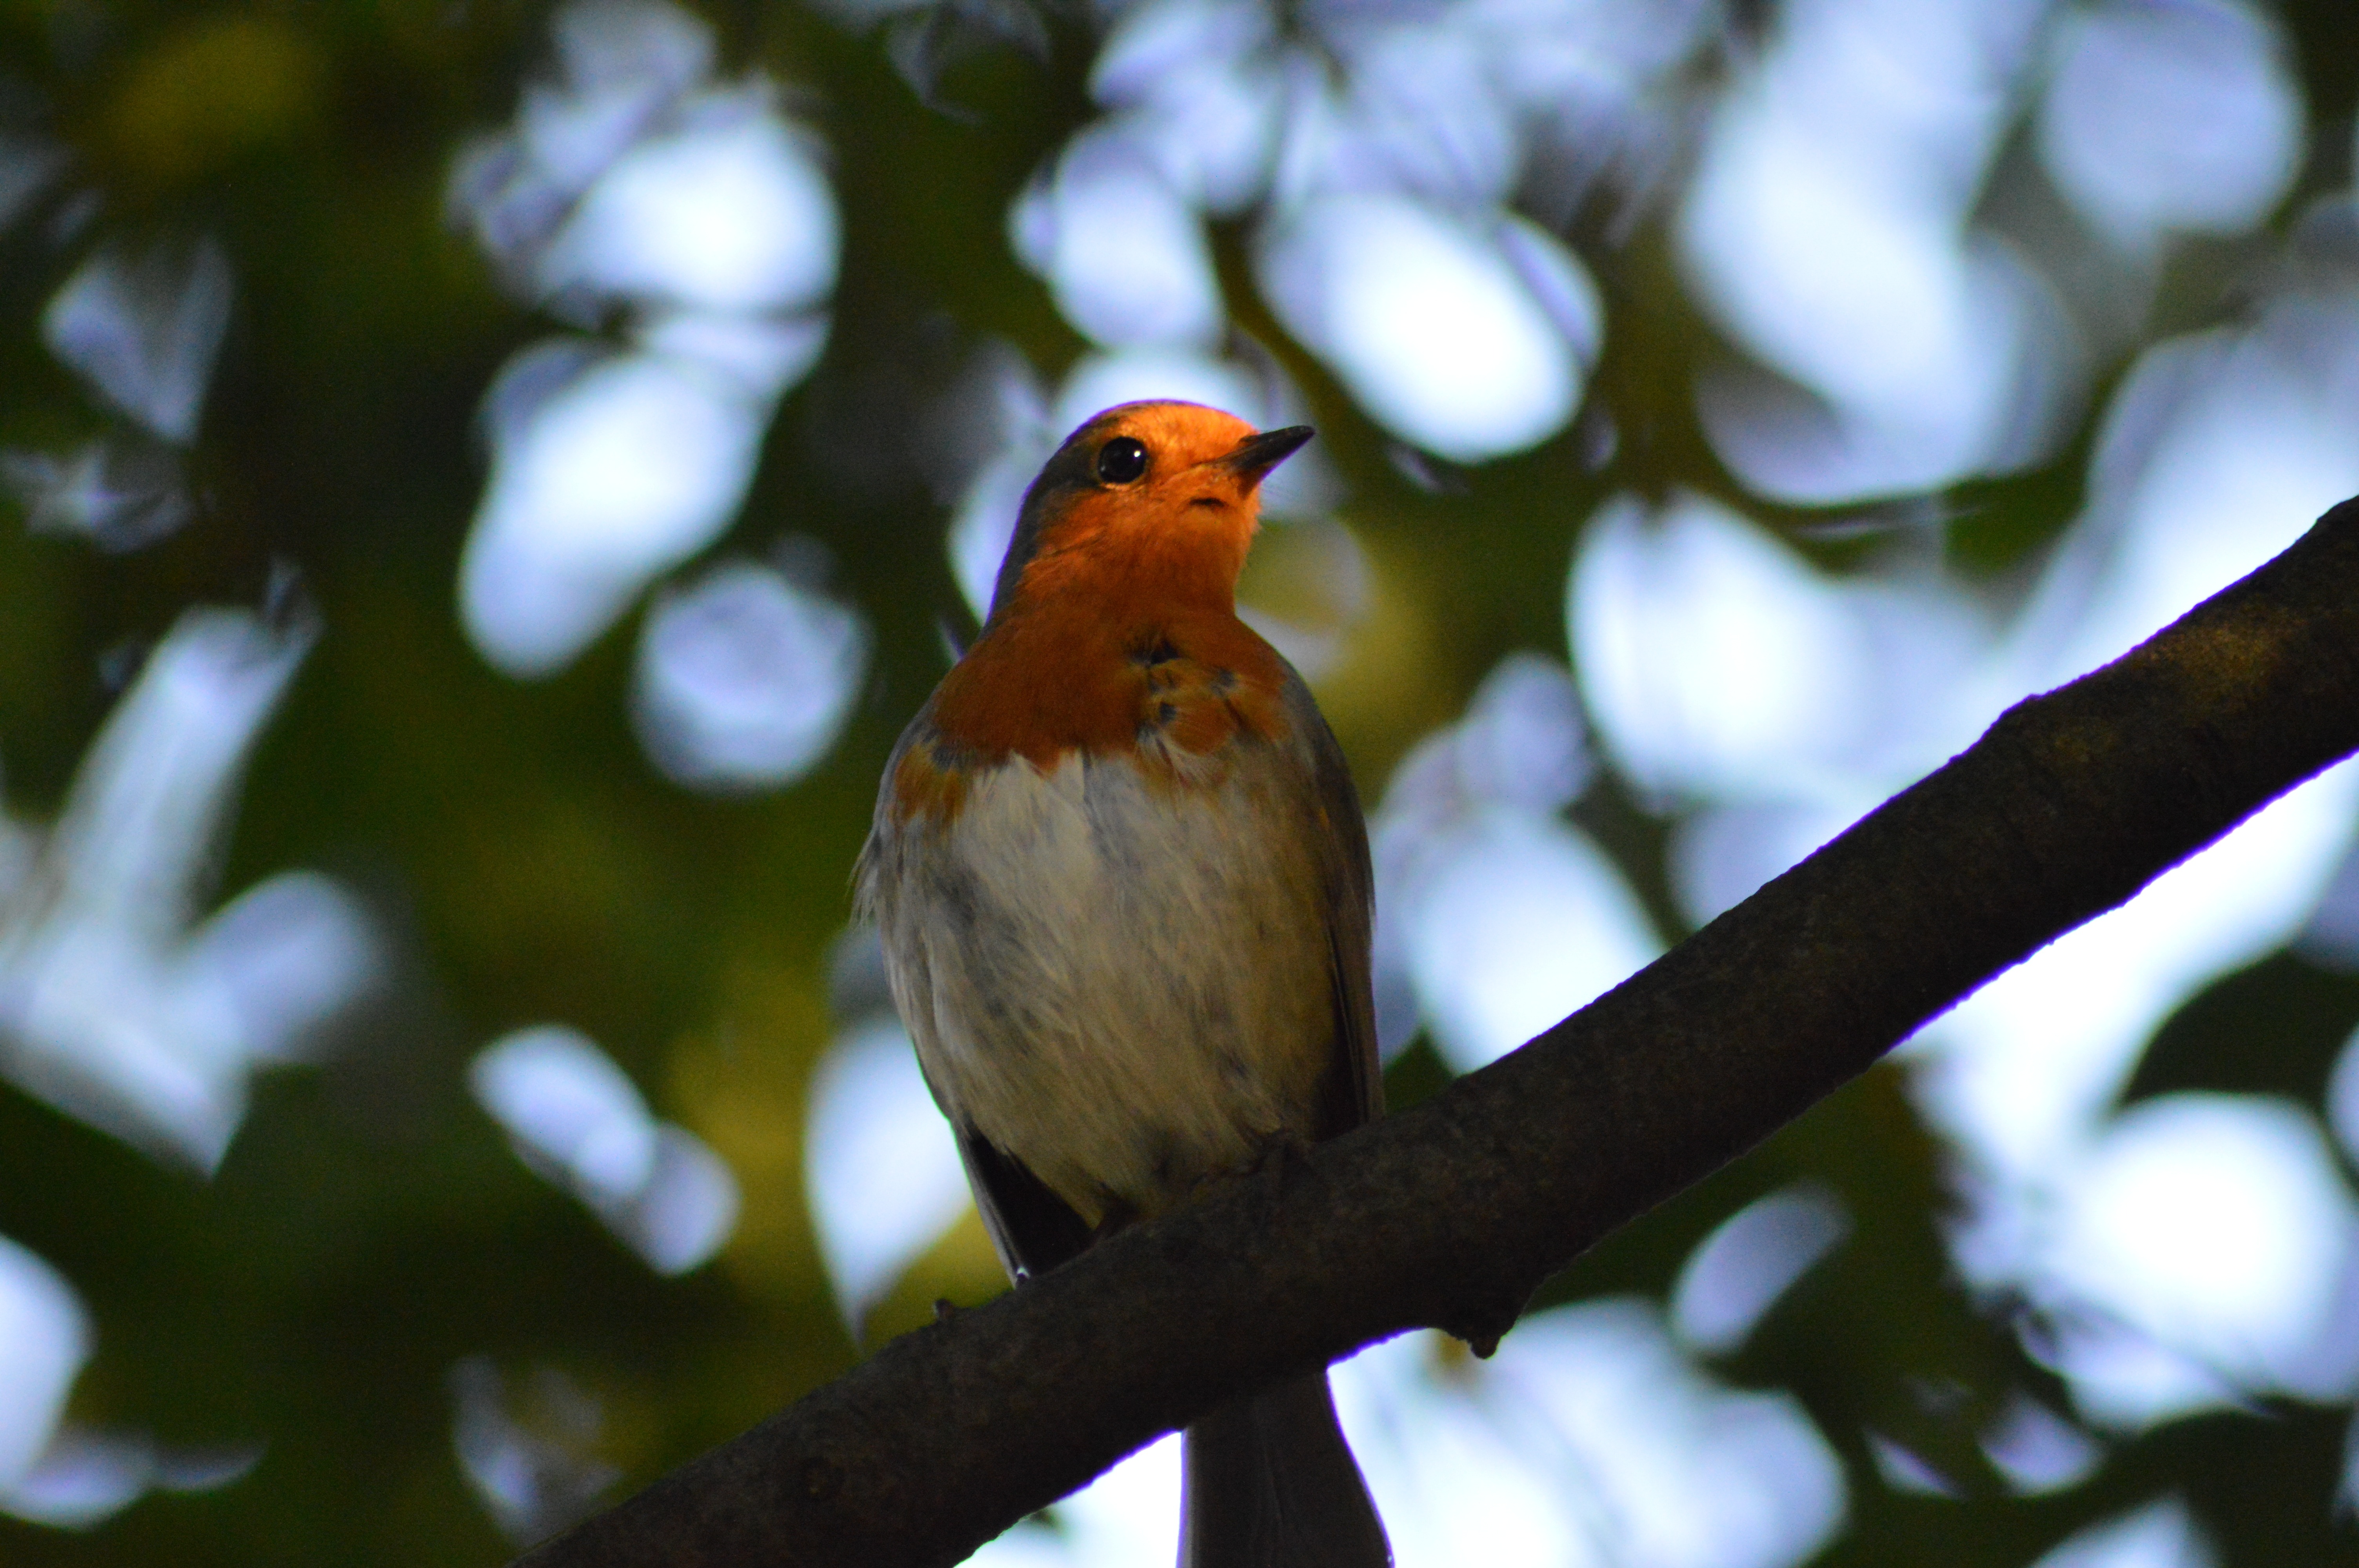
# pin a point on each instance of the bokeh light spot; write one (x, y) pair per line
(745, 680)
(2174, 117)
(1430, 325)
(880, 1164)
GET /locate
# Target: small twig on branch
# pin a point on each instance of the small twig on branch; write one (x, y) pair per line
(1453, 1214)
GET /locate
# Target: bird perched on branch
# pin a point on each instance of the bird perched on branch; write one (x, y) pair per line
(1122, 882)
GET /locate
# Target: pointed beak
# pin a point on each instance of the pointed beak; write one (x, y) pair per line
(1256, 455)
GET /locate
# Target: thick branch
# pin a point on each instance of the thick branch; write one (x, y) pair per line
(1453, 1214)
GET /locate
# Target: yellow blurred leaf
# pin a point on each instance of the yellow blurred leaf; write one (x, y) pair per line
(211, 90)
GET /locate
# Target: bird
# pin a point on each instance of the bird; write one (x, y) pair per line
(1121, 879)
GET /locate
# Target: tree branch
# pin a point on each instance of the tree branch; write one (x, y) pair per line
(1454, 1213)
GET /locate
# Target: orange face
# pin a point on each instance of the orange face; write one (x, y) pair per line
(1114, 624)
(1161, 498)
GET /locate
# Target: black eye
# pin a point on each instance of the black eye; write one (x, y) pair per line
(1122, 459)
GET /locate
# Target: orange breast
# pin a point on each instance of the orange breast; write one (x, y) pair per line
(1064, 677)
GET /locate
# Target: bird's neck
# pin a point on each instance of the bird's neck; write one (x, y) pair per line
(1066, 665)
(1125, 574)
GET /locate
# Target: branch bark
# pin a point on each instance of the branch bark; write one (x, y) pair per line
(1452, 1215)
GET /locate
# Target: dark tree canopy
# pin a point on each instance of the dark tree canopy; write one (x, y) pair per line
(484, 484)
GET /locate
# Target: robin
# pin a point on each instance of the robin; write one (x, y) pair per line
(1124, 887)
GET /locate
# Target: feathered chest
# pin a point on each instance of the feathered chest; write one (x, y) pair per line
(1114, 942)
(1123, 980)
(1171, 694)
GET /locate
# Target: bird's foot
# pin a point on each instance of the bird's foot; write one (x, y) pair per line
(1283, 1157)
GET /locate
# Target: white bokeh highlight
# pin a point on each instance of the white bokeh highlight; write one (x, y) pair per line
(1726, 672)
(2038, 1451)
(2024, 1069)
(1749, 1261)
(577, 1121)
(53, 1471)
(1827, 229)
(1689, 1473)
(1127, 1516)
(623, 67)
(2342, 1100)
(533, 1478)
(1123, 254)
(633, 186)
(1385, 146)
(118, 492)
(1716, 660)
(144, 327)
(121, 1004)
(2219, 1227)
(880, 1166)
(87, 1476)
(2163, 1534)
(46, 1338)
(1437, 327)
(745, 679)
(2175, 118)
(1195, 90)
(1589, 1440)
(728, 212)
(1504, 917)
(2219, 451)
(634, 465)
(1516, 923)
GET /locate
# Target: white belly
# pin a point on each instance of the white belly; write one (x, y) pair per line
(1125, 986)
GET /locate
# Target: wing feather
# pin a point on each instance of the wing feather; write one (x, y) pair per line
(1031, 1228)
(1353, 1090)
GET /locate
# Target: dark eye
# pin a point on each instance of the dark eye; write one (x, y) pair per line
(1122, 459)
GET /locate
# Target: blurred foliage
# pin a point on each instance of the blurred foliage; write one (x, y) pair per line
(370, 1229)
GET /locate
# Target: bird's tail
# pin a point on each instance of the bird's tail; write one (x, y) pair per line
(1271, 1483)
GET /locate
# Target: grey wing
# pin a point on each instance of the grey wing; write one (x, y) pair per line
(1353, 1091)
